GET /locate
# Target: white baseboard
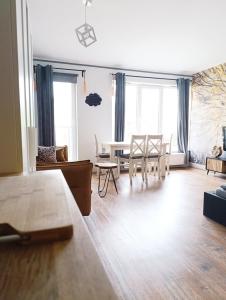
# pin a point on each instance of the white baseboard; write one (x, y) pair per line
(197, 166)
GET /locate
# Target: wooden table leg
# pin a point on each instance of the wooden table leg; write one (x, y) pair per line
(163, 161)
(117, 172)
(162, 167)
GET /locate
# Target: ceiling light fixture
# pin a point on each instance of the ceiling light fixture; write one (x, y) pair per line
(85, 33)
(87, 3)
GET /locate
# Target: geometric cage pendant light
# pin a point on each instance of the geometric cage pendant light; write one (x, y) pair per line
(85, 33)
(87, 3)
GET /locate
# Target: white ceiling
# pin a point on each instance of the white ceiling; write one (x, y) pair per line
(177, 36)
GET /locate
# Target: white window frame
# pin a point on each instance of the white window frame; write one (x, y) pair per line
(74, 145)
(140, 86)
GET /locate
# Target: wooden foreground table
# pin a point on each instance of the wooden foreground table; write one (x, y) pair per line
(65, 270)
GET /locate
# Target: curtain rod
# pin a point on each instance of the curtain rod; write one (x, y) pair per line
(66, 69)
(111, 68)
(148, 77)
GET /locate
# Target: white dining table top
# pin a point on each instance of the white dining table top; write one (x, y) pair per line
(112, 143)
(116, 143)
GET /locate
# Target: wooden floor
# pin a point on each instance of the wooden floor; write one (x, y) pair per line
(155, 242)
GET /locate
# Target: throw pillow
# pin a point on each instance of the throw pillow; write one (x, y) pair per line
(60, 154)
(46, 154)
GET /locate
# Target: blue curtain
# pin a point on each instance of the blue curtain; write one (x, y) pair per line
(120, 107)
(45, 105)
(183, 86)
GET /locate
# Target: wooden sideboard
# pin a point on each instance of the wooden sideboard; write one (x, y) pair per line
(215, 165)
(64, 270)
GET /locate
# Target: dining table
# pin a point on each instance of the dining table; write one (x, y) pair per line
(115, 146)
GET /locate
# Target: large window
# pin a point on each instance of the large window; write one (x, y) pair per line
(65, 116)
(151, 109)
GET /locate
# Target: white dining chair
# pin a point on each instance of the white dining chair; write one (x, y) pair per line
(136, 155)
(100, 156)
(153, 154)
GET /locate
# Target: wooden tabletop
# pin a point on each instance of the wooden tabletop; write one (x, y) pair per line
(106, 165)
(34, 210)
(117, 145)
(56, 270)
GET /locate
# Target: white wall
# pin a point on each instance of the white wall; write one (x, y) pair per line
(94, 119)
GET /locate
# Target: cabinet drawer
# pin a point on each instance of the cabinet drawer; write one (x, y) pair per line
(216, 165)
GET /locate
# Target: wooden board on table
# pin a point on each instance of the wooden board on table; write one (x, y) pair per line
(61, 270)
(35, 206)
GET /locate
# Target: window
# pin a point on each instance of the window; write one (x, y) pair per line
(151, 109)
(149, 114)
(65, 116)
(130, 111)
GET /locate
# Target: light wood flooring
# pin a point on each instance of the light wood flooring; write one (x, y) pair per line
(155, 242)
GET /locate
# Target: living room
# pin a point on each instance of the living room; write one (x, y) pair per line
(116, 136)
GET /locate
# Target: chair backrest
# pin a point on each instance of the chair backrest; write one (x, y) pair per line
(153, 145)
(96, 144)
(137, 145)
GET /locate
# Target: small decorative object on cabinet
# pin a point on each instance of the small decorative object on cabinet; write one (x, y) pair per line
(216, 165)
(216, 151)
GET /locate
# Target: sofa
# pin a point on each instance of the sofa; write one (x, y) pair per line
(78, 176)
(214, 207)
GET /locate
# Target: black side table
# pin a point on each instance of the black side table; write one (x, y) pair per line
(108, 166)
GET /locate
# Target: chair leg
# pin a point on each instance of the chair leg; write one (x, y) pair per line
(130, 171)
(146, 167)
(143, 168)
(154, 168)
(135, 169)
(159, 168)
(150, 168)
(162, 163)
(113, 177)
(118, 168)
(167, 165)
(98, 171)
